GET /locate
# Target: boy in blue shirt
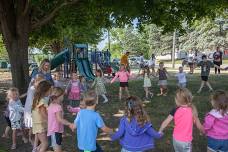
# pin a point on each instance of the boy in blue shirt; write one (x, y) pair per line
(87, 123)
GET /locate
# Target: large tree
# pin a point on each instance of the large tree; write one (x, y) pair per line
(19, 18)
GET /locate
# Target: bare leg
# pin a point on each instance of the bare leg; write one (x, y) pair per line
(44, 142)
(126, 90)
(209, 86)
(6, 133)
(146, 91)
(201, 86)
(120, 93)
(14, 141)
(36, 140)
(58, 149)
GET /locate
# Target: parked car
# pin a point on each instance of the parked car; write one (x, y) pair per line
(116, 61)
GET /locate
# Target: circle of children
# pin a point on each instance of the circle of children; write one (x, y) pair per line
(43, 113)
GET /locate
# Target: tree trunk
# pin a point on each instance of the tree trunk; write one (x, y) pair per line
(15, 26)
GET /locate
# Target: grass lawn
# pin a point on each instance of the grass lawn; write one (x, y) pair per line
(158, 110)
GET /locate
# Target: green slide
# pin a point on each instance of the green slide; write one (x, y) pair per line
(59, 58)
(85, 69)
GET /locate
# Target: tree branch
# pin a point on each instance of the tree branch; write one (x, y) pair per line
(26, 7)
(50, 16)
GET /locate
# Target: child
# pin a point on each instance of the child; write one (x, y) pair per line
(15, 114)
(57, 82)
(147, 82)
(152, 63)
(205, 71)
(28, 105)
(184, 115)
(123, 76)
(99, 86)
(181, 76)
(39, 113)
(56, 120)
(84, 84)
(87, 123)
(162, 74)
(216, 123)
(135, 130)
(73, 90)
(6, 116)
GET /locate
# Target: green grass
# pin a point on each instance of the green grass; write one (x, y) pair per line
(158, 110)
(224, 61)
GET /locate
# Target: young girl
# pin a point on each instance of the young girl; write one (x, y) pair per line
(216, 123)
(15, 114)
(135, 130)
(77, 109)
(73, 90)
(99, 86)
(28, 105)
(57, 82)
(6, 116)
(147, 82)
(184, 115)
(56, 120)
(162, 74)
(123, 76)
(84, 85)
(39, 113)
(152, 63)
(181, 76)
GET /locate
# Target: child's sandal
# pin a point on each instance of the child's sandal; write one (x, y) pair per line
(13, 147)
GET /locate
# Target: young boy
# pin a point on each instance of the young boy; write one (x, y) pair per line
(205, 71)
(181, 76)
(87, 123)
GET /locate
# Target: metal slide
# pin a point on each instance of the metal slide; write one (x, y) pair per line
(85, 68)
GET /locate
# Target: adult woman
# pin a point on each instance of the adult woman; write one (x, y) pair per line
(217, 59)
(44, 70)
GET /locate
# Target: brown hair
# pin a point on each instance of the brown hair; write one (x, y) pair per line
(11, 90)
(219, 101)
(55, 93)
(134, 109)
(90, 98)
(40, 92)
(146, 70)
(99, 71)
(184, 97)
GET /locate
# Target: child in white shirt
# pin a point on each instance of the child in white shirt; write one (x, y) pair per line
(181, 76)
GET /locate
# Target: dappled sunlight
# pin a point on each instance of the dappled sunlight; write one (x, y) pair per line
(119, 114)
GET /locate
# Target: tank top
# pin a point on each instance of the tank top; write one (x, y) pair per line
(162, 74)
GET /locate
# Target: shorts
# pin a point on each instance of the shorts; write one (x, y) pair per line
(217, 63)
(217, 145)
(8, 121)
(204, 78)
(39, 127)
(125, 150)
(180, 146)
(162, 82)
(182, 85)
(55, 140)
(123, 84)
(16, 125)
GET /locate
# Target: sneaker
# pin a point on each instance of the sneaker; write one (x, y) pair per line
(165, 94)
(151, 95)
(159, 94)
(13, 147)
(198, 91)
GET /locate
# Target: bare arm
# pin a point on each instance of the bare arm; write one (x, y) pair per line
(59, 117)
(165, 123)
(198, 124)
(43, 112)
(107, 130)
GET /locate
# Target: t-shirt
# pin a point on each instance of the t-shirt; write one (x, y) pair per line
(183, 123)
(205, 67)
(217, 56)
(36, 116)
(190, 58)
(87, 123)
(181, 77)
(53, 124)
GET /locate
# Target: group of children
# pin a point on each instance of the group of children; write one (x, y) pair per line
(43, 114)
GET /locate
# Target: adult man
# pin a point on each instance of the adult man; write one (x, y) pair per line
(124, 60)
(217, 59)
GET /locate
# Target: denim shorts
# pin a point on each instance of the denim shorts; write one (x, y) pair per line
(217, 145)
(182, 85)
(180, 146)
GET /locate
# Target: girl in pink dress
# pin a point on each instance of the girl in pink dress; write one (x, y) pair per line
(73, 90)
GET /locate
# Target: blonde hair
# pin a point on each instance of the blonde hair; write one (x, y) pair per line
(134, 109)
(41, 90)
(219, 101)
(55, 93)
(184, 97)
(42, 65)
(10, 91)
